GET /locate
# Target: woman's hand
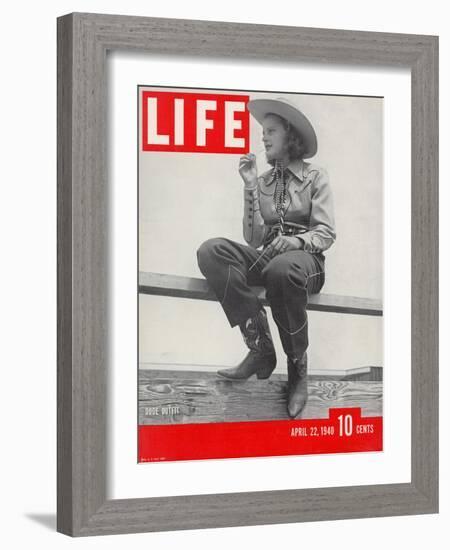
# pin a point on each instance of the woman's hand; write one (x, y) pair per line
(282, 244)
(247, 169)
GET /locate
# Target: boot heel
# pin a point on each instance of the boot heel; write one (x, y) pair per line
(264, 375)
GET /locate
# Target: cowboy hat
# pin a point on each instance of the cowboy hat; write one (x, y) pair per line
(259, 108)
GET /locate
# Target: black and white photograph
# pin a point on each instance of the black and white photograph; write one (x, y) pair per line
(260, 259)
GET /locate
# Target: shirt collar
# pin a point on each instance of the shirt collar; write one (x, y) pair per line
(296, 167)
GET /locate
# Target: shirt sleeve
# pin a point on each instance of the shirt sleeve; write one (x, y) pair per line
(254, 228)
(322, 232)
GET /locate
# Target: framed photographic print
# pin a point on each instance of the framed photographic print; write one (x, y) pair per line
(247, 274)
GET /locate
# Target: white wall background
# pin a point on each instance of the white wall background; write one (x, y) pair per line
(28, 231)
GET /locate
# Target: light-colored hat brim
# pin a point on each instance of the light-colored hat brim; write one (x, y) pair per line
(259, 108)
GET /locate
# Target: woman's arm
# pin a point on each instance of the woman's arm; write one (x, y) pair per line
(322, 233)
(254, 229)
(253, 224)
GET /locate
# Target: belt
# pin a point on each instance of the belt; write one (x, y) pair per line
(289, 228)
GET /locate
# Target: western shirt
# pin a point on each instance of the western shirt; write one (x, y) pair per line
(309, 203)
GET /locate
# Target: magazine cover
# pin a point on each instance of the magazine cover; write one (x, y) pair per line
(260, 273)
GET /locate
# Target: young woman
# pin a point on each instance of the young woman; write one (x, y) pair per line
(288, 211)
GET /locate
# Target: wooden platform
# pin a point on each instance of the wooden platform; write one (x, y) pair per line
(172, 397)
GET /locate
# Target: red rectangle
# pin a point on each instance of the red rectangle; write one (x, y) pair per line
(194, 122)
(344, 431)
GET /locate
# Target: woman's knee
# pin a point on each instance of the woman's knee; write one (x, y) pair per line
(280, 271)
(207, 250)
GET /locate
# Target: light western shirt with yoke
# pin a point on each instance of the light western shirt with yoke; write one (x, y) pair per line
(309, 205)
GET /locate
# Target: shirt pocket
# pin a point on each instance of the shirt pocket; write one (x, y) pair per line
(301, 200)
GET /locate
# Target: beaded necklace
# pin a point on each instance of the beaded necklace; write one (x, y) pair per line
(279, 199)
(279, 196)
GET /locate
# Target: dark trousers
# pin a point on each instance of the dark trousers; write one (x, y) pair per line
(232, 268)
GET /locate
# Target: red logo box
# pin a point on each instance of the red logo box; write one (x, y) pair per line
(194, 122)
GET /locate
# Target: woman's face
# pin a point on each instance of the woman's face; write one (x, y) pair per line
(275, 138)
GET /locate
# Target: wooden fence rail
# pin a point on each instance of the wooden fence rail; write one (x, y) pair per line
(161, 284)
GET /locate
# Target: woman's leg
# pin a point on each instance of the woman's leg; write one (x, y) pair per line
(289, 278)
(230, 269)
(225, 265)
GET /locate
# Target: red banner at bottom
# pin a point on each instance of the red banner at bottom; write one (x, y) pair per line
(345, 431)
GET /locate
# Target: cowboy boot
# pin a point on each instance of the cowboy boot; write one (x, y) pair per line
(261, 359)
(297, 385)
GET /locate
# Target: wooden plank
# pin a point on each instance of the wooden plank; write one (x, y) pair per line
(192, 370)
(177, 397)
(161, 284)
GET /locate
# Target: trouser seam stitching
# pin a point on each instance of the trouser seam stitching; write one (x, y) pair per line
(288, 332)
(307, 279)
(228, 281)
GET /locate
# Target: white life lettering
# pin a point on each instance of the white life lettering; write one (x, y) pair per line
(179, 121)
(152, 130)
(231, 124)
(204, 123)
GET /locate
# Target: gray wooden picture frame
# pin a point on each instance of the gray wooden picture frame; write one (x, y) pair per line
(83, 240)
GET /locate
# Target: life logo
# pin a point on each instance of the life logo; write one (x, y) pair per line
(194, 122)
